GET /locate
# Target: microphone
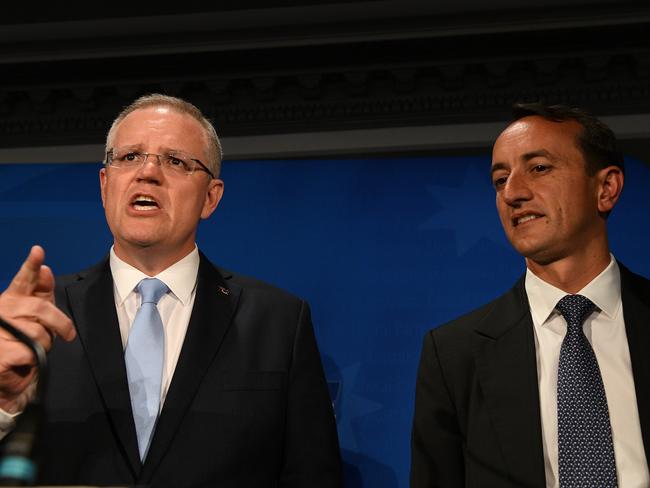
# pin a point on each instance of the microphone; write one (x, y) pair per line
(17, 459)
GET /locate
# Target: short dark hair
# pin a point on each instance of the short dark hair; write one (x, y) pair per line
(596, 141)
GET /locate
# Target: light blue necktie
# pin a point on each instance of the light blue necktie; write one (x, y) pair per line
(144, 355)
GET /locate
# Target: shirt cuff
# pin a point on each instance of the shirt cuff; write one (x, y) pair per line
(7, 422)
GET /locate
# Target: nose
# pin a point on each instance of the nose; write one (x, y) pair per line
(516, 190)
(151, 169)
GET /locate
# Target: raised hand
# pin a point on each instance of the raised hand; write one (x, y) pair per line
(28, 305)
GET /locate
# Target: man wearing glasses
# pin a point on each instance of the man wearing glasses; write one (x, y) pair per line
(175, 373)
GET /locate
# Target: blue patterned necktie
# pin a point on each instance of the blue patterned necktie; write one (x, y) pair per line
(143, 356)
(586, 451)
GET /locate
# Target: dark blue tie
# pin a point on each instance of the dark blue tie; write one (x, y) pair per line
(586, 451)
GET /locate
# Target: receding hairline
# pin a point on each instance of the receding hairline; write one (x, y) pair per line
(161, 108)
(179, 106)
(596, 141)
(577, 126)
(526, 118)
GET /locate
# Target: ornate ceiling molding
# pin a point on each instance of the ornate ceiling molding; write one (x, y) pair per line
(393, 73)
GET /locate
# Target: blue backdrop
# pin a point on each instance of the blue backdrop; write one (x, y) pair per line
(383, 249)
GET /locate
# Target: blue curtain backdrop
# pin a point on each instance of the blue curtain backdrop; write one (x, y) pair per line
(383, 249)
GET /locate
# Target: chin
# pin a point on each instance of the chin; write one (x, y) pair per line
(534, 251)
(542, 256)
(143, 232)
(140, 240)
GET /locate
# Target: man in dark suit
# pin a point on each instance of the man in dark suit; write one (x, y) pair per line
(240, 397)
(491, 401)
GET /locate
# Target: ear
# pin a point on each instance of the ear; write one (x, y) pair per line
(102, 185)
(610, 185)
(212, 197)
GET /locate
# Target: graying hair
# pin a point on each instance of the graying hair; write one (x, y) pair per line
(214, 151)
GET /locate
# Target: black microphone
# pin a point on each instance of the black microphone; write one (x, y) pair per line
(18, 465)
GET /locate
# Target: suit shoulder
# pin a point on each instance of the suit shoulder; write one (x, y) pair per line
(65, 279)
(259, 288)
(464, 325)
(637, 281)
(267, 307)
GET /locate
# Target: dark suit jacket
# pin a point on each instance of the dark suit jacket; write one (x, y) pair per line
(247, 406)
(477, 415)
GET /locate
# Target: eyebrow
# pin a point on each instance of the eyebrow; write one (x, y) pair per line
(130, 147)
(163, 150)
(497, 166)
(539, 153)
(171, 150)
(536, 154)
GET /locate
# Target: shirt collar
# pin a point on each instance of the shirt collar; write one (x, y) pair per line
(180, 277)
(604, 290)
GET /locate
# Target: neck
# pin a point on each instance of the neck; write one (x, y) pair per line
(572, 273)
(149, 260)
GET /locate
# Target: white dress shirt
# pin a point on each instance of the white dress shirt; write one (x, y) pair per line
(605, 330)
(175, 307)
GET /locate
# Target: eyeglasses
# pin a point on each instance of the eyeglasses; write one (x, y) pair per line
(174, 162)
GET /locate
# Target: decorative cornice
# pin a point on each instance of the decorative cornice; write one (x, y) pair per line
(394, 80)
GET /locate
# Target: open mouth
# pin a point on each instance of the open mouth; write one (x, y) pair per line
(522, 219)
(144, 202)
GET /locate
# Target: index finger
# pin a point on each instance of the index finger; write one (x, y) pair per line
(26, 280)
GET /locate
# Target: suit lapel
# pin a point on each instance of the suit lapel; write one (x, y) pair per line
(636, 312)
(214, 305)
(92, 307)
(504, 350)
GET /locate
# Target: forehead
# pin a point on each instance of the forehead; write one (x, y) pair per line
(160, 126)
(537, 134)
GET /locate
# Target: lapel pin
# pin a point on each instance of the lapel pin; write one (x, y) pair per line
(224, 290)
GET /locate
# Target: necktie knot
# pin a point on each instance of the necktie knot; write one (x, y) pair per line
(575, 309)
(151, 290)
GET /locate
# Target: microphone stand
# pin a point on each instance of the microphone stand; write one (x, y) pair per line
(17, 459)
